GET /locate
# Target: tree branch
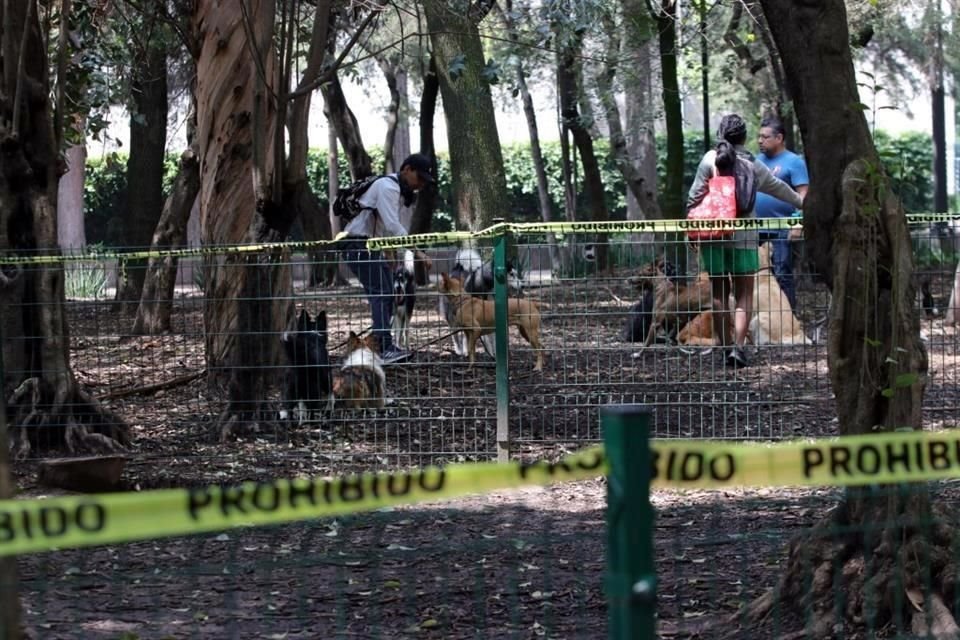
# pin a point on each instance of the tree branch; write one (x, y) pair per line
(332, 69)
(739, 47)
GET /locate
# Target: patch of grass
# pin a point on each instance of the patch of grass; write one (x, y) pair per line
(85, 280)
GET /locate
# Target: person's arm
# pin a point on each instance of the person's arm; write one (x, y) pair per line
(773, 186)
(701, 180)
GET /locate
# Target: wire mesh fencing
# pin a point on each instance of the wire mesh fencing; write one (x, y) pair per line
(623, 318)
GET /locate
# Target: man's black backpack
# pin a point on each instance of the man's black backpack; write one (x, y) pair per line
(347, 204)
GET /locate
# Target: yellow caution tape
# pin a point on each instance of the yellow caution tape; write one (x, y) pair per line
(67, 522)
(451, 237)
(76, 521)
(854, 460)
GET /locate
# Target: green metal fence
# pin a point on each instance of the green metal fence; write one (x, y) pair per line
(518, 565)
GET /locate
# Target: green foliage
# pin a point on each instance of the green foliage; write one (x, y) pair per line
(907, 159)
(105, 199)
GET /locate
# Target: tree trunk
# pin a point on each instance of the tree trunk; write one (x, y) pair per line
(640, 187)
(148, 139)
(401, 136)
(313, 218)
(348, 130)
(533, 131)
(247, 295)
(641, 107)
(422, 219)
(476, 159)
(71, 233)
(9, 590)
(568, 81)
(857, 235)
(156, 300)
(45, 403)
(673, 196)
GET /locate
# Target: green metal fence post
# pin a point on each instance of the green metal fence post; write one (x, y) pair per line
(502, 344)
(631, 578)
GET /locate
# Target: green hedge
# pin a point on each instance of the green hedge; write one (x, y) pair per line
(908, 159)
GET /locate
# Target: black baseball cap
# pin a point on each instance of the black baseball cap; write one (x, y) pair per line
(422, 164)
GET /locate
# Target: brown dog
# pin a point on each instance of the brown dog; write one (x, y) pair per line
(673, 303)
(475, 317)
(361, 381)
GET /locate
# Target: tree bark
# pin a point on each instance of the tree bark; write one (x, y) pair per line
(145, 166)
(45, 403)
(568, 78)
(857, 236)
(476, 159)
(638, 183)
(71, 234)
(156, 300)
(665, 15)
(247, 295)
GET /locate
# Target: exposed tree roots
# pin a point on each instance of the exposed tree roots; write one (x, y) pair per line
(876, 562)
(70, 420)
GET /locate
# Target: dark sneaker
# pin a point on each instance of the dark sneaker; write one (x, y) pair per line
(394, 355)
(736, 358)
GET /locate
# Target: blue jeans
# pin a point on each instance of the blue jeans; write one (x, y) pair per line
(781, 259)
(374, 275)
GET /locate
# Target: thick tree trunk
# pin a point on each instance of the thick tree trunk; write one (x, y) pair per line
(857, 236)
(71, 233)
(673, 198)
(247, 295)
(156, 300)
(45, 403)
(476, 159)
(567, 82)
(148, 139)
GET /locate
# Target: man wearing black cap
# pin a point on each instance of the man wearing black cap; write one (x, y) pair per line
(380, 217)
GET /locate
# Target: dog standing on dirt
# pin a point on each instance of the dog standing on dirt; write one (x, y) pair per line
(674, 303)
(476, 278)
(475, 317)
(404, 299)
(309, 388)
(361, 381)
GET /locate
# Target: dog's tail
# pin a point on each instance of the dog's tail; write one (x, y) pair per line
(408, 264)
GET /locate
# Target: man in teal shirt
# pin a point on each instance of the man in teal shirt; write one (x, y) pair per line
(790, 168)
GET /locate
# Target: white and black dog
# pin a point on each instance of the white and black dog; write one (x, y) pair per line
(477, 278)
(404, 298)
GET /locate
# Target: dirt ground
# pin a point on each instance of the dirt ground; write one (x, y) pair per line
(523, 564)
